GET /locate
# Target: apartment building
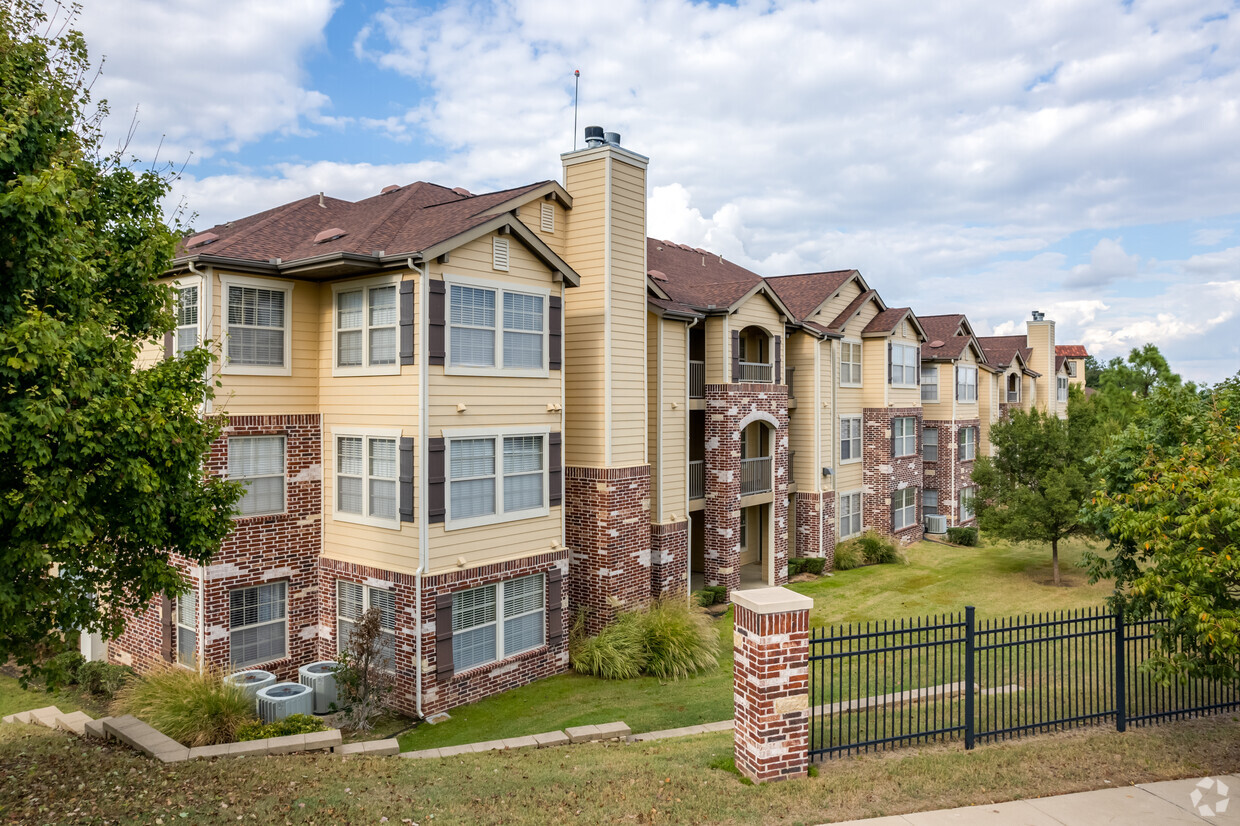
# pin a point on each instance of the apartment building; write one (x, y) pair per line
(485, 413)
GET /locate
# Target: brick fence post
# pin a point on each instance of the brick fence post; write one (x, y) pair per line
(771, 681)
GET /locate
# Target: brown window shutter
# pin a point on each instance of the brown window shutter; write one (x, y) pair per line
(436, 350)
(443, 636)
(436, 478)
(736, 355)
(889, 362)
(555, 469)
(406, 322)
(406, 479)
(919, 366)
(960, 444)
(168, 627)
(555, 607)
(956, 374)
(169, 345)
(892, 424)
(779, 372)
(555, 333)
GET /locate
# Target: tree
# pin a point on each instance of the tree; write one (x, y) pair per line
(1123, 383)
(100, 462)
(1033, 488)
(1093, 372)
(1169, 502)
(365, 673)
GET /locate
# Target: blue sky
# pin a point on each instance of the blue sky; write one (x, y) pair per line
(1075, 158)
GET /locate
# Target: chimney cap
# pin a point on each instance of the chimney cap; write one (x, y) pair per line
(594, 136)
(612, 137)
(1038, 315)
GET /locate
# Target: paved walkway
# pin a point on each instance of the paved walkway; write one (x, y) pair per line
(1170, 802)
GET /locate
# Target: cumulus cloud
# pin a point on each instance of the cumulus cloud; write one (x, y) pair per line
(1210, 237)
(1108, 262)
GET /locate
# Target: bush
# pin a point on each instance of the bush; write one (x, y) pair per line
(63, 669)
(712, 595)
(814, 565)
(103, 679)
(617, 652)
(849, 555)
(795, 566)
(679, 643)
(292, 724)
(962, 536)
(195, 709)
(878, 549)
(365, 674)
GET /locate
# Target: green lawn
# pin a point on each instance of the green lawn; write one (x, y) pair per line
(14, 698)
(997, 579)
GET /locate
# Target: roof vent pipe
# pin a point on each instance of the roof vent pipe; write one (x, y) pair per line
(1038, 316)
(594, 137)
(612, 137)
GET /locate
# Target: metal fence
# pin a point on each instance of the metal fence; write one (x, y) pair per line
(697, 379)
(887, 684)
(755, 475)
(697, 479)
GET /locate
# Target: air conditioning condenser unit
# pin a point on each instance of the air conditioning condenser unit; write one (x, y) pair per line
(936, 523)
(275, 702)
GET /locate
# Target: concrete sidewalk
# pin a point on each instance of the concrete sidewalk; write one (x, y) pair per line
(1170, 802)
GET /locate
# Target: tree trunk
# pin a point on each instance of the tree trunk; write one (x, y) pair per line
(1055, 559)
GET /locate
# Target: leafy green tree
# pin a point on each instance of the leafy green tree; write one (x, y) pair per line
(1123, 383)
(1169, 502)
(1093, 372)
(1033, 488)
(100, 462)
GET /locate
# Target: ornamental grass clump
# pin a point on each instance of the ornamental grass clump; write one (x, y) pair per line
(195, 709)
(615, 653)
(666, 640)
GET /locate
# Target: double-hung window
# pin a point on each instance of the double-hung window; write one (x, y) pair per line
(187, 319)
(930, 501)
(497, 621)
(353, 600)
(850, 363)
(258, 461)
(187, 628)
(903, 508)
(967, 496)
(930, 383)
(966, 384)
(1062, 383)
(366, 320)
(1071, 365)
(968, 444)
(904, 436)
(850, 439)
(850, 514)
(495, 328)
(258, 624)
(904, 365)
(257, 326)
(367, 469)
(930, 444)
(494, 478)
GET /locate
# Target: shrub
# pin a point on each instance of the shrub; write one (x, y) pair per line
(615, 653)
(814, 565)
(679, 642)
(63, 669)
(195, 709)
(365, 675)
(720, 592)
(849, 555)
(795, 566)
(962, 536)
(878, 549)
(103, 679)
(292, 724)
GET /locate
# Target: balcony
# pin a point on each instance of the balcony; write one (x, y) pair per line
(755, 475)
(697, 479)
(761, 372)
(697, 379)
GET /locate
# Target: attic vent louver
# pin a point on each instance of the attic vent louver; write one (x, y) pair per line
(201, 240)
(389, 188)
(328, 235)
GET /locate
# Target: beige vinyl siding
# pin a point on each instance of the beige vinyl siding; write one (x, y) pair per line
(758, 311)
(718, 349)
(989, 386)
(942, 409)
(799, 353)
(628, 315)
(531, 215)
(1041, 338)
(836, 305)
(489, 544)
(670, 426)
(968, 410)
(653, 367)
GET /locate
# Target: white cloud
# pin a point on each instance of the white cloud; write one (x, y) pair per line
(1210, 237)
(1108, 262)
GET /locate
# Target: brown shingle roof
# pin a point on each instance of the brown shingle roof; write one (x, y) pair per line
(804, 293)
(1072, 351)
(1059, 360)
(698, 278)
(840, 321)
(941, 327)
(672, 307)
(887, 320)
(1000, 350)
(951, 348)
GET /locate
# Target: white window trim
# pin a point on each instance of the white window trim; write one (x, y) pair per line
(925, 443)
(365, 285)
(284, 440)
(365, 434)
(180, 284)
(912, 520)
(925, 506)
(971, 496)
(860, 509)
(500, 287)
(366, 606)
(451, 434)
(1062, 384)
(192, 626)
(963, 370)
(500, 620)
(968, 438)
(933, 370)
(226, 365)
(915, 436)
(860, 363)
(236, 666)
(839, 442)
(895, 347)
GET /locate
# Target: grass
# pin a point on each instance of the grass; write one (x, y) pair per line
(13, 698)
(49, 777)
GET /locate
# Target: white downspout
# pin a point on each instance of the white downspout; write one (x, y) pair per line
(207, 407)
(688, 449)
(835, 441)
(423, 423)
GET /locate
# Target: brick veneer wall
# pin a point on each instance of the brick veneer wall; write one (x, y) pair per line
(727, 406)
(815, 517)
(669, 559)
(261, 549)
(940, 474)
(607, 527)
(483, 681)
(883, 474)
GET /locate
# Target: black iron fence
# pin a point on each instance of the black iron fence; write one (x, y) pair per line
(880, 685)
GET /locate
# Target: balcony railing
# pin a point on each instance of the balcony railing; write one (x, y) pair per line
(1013, 396)
(697, 379)
(757, 371)
(755, 475)
(789, 374)
(697, 479)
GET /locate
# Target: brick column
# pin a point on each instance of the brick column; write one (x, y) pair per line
(771, 679)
